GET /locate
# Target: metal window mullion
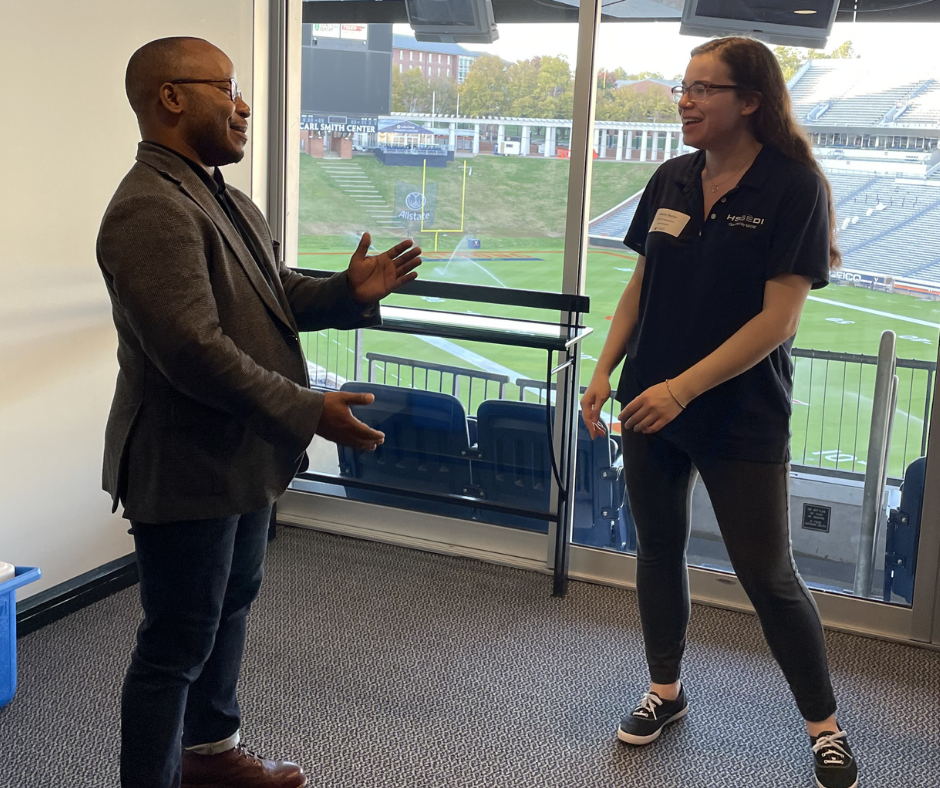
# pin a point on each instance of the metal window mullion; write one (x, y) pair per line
(577, 217)
(925, 621)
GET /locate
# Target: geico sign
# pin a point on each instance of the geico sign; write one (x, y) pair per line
(847, 277)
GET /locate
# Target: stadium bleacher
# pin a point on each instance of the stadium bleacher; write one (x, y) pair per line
(925, 107)
(615, 223)
(858, 94)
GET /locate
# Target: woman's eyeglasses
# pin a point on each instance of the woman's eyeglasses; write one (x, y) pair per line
(698, 91)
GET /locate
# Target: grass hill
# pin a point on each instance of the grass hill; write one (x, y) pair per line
(513, 199)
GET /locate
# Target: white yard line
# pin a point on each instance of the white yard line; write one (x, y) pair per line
(481, 362)
(874, 312)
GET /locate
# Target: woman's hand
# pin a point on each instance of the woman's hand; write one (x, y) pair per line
(592, 405)
(651, 411)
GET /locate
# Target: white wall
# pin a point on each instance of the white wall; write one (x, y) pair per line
(67, 139)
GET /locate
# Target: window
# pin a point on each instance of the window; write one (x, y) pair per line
(883, 224)
(478, 216)
(463, 68)
(494, 213)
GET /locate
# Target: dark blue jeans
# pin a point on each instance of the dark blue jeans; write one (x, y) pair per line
(198, 579)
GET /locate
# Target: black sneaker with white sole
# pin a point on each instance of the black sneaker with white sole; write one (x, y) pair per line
(649, 718)
(835, 764)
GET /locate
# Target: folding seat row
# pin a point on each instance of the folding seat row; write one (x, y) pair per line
(428, 449)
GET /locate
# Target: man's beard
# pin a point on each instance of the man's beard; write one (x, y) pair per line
(214, 146)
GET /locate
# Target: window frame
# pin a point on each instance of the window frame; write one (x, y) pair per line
(918, 624)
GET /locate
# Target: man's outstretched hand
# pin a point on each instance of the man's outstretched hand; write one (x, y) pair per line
(371, 278)
(338, 424)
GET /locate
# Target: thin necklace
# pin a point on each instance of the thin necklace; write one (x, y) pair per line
(714, 187)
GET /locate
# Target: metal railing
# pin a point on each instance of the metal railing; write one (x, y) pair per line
(832, 398)
(333, 356)
(832, 403)
(537, 387)
(470, 386)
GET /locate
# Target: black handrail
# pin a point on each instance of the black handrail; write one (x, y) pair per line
(534, 299)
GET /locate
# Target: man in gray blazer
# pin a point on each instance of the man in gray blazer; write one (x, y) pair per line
(212, 411)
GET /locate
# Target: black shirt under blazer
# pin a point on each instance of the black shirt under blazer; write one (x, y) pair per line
(704, 279)
(212, 409)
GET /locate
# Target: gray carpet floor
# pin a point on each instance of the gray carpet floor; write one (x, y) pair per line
(374, 665)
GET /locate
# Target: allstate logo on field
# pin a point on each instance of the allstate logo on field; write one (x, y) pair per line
(415, 201)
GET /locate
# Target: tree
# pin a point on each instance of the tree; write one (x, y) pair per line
(443, 91)
(555, 88)
(522, 88)
(644, 75)
(628, 105)
(410, 92)
(607, 79)
(791, 59)
(485, 89)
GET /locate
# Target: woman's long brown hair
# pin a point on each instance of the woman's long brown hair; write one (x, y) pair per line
(754, 69)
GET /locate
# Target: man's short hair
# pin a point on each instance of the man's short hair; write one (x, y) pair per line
(154, 64)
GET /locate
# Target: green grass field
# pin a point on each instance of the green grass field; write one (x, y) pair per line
(517, 206)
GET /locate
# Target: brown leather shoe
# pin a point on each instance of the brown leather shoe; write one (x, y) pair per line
(239, 768)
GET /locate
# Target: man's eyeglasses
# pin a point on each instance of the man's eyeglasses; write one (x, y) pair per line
(232, 90)
(698, 91)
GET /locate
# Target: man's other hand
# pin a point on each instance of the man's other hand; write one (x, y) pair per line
(338, 424)
(371, 278)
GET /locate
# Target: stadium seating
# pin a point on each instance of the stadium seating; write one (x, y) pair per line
(903, 534)
(515, 469)
(925, 107)
(898, 240)
(615, 224)
(426, 449)
(857, 94)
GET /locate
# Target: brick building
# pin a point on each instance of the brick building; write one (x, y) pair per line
(451, 61)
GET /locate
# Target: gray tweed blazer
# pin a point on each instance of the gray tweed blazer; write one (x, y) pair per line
(212, 410)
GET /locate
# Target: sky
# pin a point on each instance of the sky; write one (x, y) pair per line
(657, 46)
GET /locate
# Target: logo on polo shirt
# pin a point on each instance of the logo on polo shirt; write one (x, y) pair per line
(744, 220)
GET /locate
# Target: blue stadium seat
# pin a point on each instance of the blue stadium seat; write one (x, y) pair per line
(515, 469)
(425, 449)
(903, 534)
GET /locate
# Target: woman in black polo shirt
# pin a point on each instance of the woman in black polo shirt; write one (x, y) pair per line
(731, 240)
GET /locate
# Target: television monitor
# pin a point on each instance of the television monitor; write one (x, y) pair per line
(452, 21)
(799, 23)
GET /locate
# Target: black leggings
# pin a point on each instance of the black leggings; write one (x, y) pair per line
(752, 504)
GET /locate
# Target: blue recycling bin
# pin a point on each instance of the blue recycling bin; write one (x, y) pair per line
(24, 575)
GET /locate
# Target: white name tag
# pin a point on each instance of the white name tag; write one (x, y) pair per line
(671, 222)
